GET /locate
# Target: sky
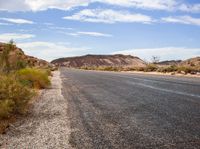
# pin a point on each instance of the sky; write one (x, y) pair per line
(50, 29)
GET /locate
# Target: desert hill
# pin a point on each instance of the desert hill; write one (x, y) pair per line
(191, 62)
(171, 62)
(17, 56)
(117, 60)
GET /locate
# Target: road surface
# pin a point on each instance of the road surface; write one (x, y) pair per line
(131, 111)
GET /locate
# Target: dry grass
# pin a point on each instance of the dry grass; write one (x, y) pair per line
(13, 96)
(34, 78)
(16, 90)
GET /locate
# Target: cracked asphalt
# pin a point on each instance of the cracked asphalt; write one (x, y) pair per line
(132, 111)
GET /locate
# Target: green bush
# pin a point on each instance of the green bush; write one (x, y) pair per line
(34, 78)
(13, 96)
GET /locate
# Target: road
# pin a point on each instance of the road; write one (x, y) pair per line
(131, 111)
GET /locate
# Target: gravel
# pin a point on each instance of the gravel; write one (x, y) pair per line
(47, 125)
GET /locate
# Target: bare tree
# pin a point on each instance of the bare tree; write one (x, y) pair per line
(155, 59)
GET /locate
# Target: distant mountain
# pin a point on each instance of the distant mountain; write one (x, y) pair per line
(172, 62)
(189, 62)
(18, 56)
(117, 60)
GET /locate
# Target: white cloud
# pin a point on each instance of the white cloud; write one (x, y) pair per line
(190, 8)
(144, 4)
(166, 53)
(17, 21)
(4, 24)
(108, 16)
(60, 28)
(38, 5)
(95, 34)
(48, 50)
(8, 36)
(183, 20)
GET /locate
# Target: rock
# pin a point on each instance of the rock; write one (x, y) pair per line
(17, 55)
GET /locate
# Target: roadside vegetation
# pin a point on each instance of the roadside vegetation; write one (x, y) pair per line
(18, 85)
(151, 67)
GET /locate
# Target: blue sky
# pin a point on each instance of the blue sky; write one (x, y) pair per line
(51, 29)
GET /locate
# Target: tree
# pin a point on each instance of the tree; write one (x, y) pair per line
(4, 57)
(155, 59)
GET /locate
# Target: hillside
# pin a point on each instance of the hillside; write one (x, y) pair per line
(191, 62)
(18, 57)
(100, 60)
(172, 62)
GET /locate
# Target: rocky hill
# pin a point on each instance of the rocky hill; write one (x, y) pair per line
(16, 56)
(100, 60)
(191, 62)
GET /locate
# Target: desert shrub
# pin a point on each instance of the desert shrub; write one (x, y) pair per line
(171, 68)
(187, 69)
(13, 96)
(109, 68)
(150, 68)
(6, 108)
(47, 71)
(34, 78)
(140, 68)
(20, 65)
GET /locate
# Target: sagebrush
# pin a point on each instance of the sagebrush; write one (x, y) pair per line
(13, 96)
(34, 78)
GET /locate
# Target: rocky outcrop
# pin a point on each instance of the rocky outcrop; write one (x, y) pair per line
(100, 60)
(17, 55)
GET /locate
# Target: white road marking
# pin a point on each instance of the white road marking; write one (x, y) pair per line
(165, 90)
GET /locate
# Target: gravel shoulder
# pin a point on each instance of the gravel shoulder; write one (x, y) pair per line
(47, 124)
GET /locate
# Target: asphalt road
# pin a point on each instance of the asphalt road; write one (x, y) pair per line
(132, 111)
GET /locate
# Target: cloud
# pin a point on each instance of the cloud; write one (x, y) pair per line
(108, 16)
(4, 24)
(183, 20)
(48, 50)
(165, 53)
(190, 8)
(144, 4)
(17, 21)
(94, 34)
(60, 28)
(8, 36)
(39, 5)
